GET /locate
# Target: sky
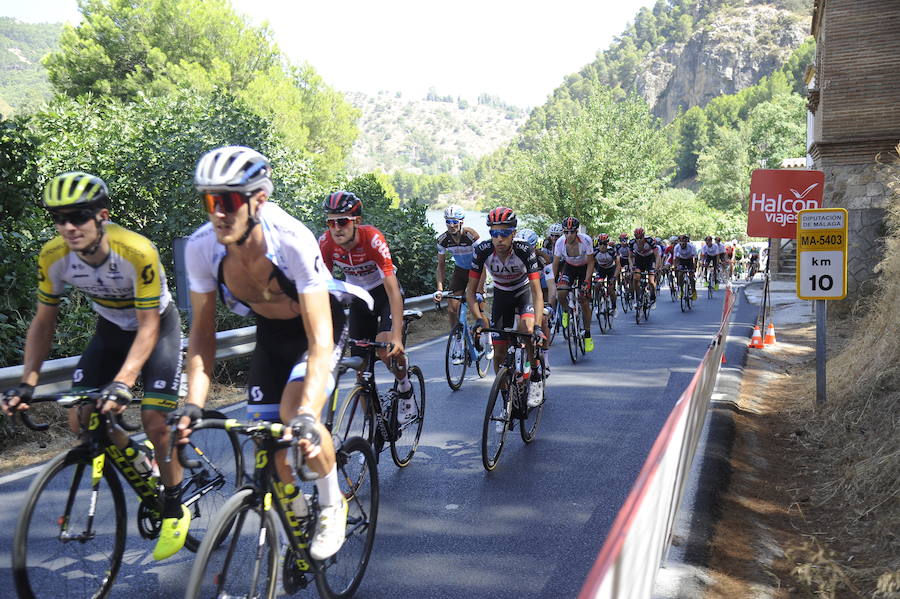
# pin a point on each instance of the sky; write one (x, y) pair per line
(518, 50)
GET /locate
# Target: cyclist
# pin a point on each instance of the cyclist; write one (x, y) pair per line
(261, 260)
(685, 256)
(138, 330)
(666, 255)
(575, 251)
(554, 232)
(517, 287)
(622, 250)
(607, 266)
(754, 262)
(738, 258)
(459, 241)
(728, 256)
(363, 255)
(709, 252)
(643, 257)
(531, 238)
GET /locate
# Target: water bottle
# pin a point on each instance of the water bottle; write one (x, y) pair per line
(140, 460)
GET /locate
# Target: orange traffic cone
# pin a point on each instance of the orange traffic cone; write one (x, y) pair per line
(770, 334)
(756, 341)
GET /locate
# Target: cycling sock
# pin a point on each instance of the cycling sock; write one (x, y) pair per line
(171, 497)
(329, 490)
(403, 384)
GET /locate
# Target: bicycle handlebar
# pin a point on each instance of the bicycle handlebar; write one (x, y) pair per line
(70, 399)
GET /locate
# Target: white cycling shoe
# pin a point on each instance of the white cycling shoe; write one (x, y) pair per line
(331, 528)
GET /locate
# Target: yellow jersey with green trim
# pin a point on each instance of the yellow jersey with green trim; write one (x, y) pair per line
(131, 278)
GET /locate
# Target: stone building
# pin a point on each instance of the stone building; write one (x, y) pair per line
(854, 98)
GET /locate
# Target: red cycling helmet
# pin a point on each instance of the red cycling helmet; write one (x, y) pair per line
(623, 237)
(342, 202)
(639, 232)
(603, 238)
(501, 215)
(570, 223)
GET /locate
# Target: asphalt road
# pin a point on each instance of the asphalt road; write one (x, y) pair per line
(531, 528)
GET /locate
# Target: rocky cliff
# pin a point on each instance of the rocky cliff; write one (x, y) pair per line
(734, 50)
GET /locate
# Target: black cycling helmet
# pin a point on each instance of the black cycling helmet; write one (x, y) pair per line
(342, 202)
(501, 215)
(570, 223)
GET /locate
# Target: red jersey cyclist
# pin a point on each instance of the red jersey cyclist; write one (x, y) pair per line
(575, 251)
(363, 255)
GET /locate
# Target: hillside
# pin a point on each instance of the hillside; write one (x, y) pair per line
(428, 136)
(23, 80)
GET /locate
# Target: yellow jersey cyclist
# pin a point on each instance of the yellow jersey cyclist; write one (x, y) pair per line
(138, 333)
(517, 288)
(575, 252)
(258, 259)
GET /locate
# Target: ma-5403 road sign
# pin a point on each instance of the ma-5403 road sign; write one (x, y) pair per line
(822, 254)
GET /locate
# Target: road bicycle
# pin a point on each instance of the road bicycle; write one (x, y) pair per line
(246, 565)
(461, 349)
(573, 331)
(508, 399)
(670, 281)
(753, 269)
(375, 417)
(625, 292)
(70, 536)
(602, 304)
(711, 281)
(642, 302)
(555, 323)
(687, 289)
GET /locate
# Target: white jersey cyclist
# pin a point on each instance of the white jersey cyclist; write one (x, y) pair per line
(131, 278)
(687, 252)
(585, 250)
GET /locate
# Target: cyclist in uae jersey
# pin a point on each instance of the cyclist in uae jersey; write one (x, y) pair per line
(364, 257)
(517, 287)
(643, 257)
(575, 252)
(260, 260)
(138, 330)
(607, 266)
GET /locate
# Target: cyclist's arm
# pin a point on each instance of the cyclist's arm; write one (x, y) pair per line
(588, 275)
(537, 299)
(315, 310)
(392, 288)
(201, 353)
(141, 347)
(441, 269)
(471, 286)
(555, 268)
(481, 280)
(38, 341)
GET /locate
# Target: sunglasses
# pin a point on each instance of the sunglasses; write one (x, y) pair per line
(452, 221)
(502, 232)
(76, 217)
(570, 231)
(225, 201)
(338, 222)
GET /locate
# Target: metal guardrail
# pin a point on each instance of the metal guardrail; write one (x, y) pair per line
(56, 375)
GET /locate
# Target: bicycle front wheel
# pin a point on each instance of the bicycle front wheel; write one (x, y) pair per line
(528, 425)
(600, 307)
(406, 434)
(497, 417)
(340, 575)
(455, 357)
(245, 565)
(70, 536)
(356, 417)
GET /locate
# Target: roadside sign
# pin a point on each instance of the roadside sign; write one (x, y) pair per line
(777, 195)
(822, 254)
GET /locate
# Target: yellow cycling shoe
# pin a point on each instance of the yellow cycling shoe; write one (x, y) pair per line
(172, 535)
(565, 320)
(588, 345)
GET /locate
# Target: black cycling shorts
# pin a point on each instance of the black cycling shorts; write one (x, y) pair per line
(508, 304)
(605, 273)
(279, 358)
(161, 374)
(571, 276)
(645, 263)
(685, 264)
(365, 325)
(458, 280)
(707, 259)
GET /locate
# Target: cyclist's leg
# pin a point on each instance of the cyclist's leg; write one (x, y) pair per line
(503, 315)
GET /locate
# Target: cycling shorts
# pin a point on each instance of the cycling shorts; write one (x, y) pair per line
(572, 276)
(685, 264)
(161, 374)
(709, 259)
(279, 358)
(645, 263)
(605, 273)
(365, 325)
(458, 281)
(508, 304)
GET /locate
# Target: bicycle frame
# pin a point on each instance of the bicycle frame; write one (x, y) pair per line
(474, 354)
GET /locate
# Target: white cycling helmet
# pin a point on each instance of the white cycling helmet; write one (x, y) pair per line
(455, 212)
(528, 236)
(555, 229)
(673, 238)
(234, 168)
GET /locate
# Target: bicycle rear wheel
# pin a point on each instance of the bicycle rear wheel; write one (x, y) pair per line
(497, 416)
(406, 434)
(59, 549)
(528, 426)
(340, 575)
(600, 307)
(356, 417)
(245, 565)
(220, 472)
(457, 351)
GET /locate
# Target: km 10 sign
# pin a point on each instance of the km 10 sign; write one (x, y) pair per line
(776, 196)
(822, 254)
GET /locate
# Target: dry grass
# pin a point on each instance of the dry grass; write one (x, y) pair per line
(856, 439)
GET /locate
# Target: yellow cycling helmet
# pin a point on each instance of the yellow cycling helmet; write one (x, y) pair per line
(75, 189)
